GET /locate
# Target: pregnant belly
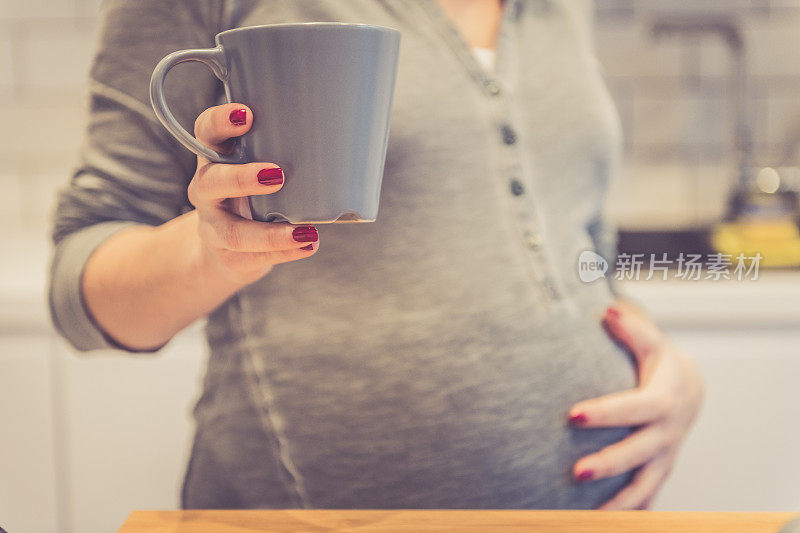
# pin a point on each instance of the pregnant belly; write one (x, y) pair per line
(473, 416)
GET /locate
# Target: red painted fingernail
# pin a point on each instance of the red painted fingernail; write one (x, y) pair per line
(585, 475)
(270, 176)
(308, 247)
(577, 420)
(238, 117)
(305, 234)
(612, 312)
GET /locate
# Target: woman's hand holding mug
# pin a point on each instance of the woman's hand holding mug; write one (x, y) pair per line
(145, 283)
(334, 151)
(231, 243)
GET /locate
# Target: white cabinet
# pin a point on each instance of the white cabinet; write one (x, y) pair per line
(87, 438)
(28, 478)
(127, 430)
(745, 337)
(84, 438)
(743, 452)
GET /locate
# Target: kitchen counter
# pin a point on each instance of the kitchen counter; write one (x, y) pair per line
(439, 520)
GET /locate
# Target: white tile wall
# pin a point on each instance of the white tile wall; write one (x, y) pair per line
(34, 126)
(769, 42)
(10, 208)
(55, 54)
(14, 11)
(38, 196)
(781, 123)
(46, 47)
(683, 191)
(623, 45)
(712, 59)
(6, 67)
(88, 7)
(674, 95)
(681, 125)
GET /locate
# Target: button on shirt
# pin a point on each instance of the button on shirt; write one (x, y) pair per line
(516, 187)
(509, 136)
(427, 359)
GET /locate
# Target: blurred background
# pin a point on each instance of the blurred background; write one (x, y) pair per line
(708, 93)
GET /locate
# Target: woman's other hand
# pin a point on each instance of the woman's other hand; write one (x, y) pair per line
(664, 406)
(237, 247)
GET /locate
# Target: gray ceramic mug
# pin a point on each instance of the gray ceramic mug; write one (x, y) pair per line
(321, 94)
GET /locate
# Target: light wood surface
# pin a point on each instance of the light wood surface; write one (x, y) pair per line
(407, 521)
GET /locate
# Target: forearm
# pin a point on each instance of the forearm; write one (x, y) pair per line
(145, 284)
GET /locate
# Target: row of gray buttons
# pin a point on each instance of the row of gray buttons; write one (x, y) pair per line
(509, 137)
(526, 217)
(523, 208)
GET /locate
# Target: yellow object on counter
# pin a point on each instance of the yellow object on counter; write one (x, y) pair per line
(778, 241)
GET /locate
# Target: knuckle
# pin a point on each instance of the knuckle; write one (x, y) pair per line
(666, 441)
(241, 177)
(200, 184)
(672, 438)
(667, 404)
(275, 239)
(229, 259)
(231, 235)
(660, 404)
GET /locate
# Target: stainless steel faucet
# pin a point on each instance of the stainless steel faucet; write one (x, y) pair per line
(729, 30)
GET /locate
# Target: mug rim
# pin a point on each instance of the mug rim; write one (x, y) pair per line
(353, 25)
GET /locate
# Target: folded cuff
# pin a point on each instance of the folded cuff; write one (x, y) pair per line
(68, 310)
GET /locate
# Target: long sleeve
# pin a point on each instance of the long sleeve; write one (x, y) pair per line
(130, 170)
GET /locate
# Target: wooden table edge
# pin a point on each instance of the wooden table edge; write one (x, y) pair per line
(415, 520)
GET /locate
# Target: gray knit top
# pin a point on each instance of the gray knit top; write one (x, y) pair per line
(428, 359)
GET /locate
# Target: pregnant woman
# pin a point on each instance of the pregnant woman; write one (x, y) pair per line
(446, 355)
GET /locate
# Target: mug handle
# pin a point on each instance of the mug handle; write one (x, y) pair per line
(213, 58)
